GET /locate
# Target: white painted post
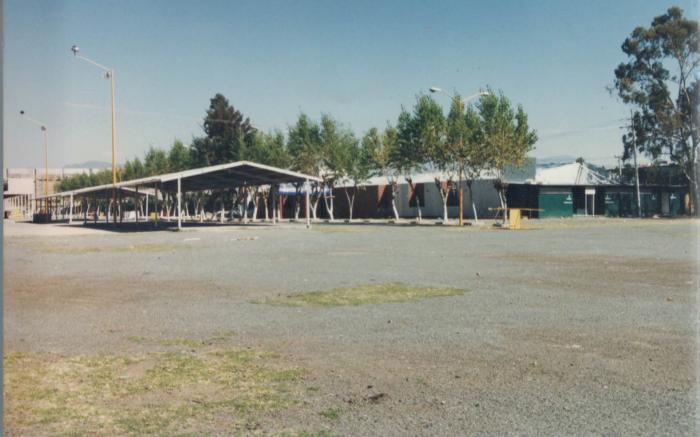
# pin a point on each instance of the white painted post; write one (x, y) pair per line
(308, 207)
(179, 204)
(155, 208)
(274, 205)
(70, 216)
(222, 210)
(146, 207)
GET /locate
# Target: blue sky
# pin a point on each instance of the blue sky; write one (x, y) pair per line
(359, 61)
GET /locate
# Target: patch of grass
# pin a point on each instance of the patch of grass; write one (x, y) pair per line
(321, 433)
(331, 413)
(421, 381)
(218, 337)
(362, 295)
(162, 393)
(137, 248)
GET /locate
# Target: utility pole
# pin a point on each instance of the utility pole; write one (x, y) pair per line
(619, 166)
(636, 167)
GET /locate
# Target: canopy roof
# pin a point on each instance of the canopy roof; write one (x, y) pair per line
(234, 174)
(99, 191)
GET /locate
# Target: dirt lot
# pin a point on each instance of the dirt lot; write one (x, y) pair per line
(572, 327)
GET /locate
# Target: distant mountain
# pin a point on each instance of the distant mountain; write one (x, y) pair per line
(554, 160)
(90, 164)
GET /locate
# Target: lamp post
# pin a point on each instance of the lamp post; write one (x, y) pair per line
(434, 89)
(46, 150)
(109, 74)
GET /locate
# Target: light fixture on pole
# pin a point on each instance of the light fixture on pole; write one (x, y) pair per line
(45, 131)
(434, 89)
(109, 74)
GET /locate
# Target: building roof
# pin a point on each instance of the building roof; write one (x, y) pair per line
(570, 174)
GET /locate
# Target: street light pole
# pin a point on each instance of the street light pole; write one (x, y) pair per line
(434, 89)
(636, 167)
(109, 74)
(45, 133)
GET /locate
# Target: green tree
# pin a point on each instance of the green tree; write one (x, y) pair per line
(409, 154)
(306, 155)
(336, 142)
(379, 149)
(227, 134)
(425, 143)
(355, 169)
(156, 161)
(179, 157)
(268, 149)
(455, 156)
(662, 60)
(507, 138)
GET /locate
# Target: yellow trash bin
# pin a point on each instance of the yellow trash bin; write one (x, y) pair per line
(514, 218)
(152, 215)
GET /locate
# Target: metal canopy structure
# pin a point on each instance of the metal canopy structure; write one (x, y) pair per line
(216, 177)
(231, 175)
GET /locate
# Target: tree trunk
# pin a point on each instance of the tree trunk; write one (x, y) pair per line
(471, 198)
(394, 187)
(444, 195)
(245, 207)
(694, 197)
(266, 199)
(314, 205)
(504, 205)
(256, 200)
(329, 206)
(415, 194)
(351, 201)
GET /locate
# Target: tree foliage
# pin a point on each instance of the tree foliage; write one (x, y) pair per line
(660, 81)
(505, 134)
(227, 134)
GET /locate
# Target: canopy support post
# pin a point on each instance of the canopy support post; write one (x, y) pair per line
(274, 204)
(179, 203)
(308, 207)
(70, 213)
(155, 208)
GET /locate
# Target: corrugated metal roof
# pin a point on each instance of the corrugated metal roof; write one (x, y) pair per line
(228, 175)
(570, 174)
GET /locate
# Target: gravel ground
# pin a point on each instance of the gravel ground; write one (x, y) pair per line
(574, 327)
